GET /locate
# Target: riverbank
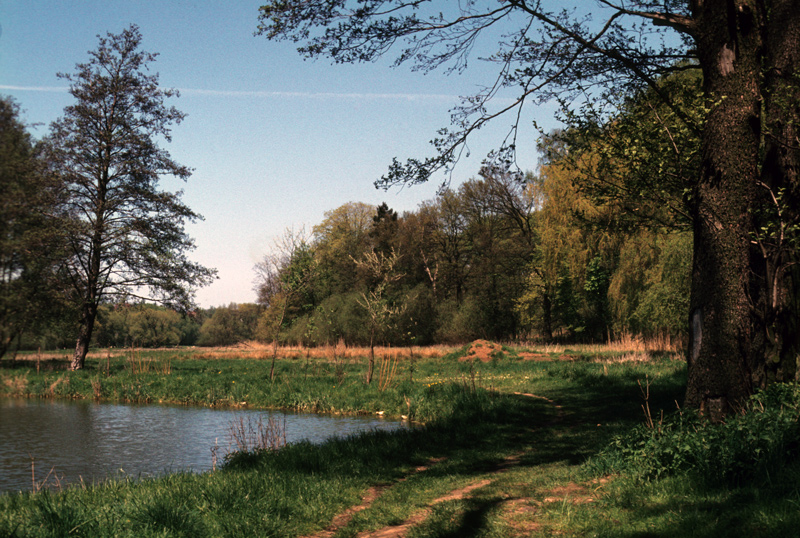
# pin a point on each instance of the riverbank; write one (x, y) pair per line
(322, 380)
(503, 454)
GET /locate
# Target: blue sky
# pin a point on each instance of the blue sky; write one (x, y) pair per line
(274, 141)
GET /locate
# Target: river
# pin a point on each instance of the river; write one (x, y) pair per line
(69, 442)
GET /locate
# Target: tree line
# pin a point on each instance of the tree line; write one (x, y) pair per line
(500, 257)
(680, 116)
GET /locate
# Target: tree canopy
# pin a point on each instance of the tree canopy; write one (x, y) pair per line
(127, 237)
(31, 232)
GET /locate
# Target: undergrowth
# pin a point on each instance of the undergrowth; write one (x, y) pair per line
(754, 446)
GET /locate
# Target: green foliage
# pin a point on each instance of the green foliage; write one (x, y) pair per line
(665, 300)
(460, 322)
(417, 321)
(31, 235)
(499, 257)
(229, 325)
(339, 317)
(591, 246)
(750, 447)
(342, 236)
(643, 160)
(144, 325)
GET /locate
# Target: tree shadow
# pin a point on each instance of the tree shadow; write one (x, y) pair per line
(45, 365)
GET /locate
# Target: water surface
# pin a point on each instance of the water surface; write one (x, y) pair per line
(74, 441)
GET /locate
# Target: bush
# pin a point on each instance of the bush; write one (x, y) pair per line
(749, 447)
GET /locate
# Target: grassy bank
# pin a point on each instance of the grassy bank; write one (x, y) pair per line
(405, 383)
(504, 454)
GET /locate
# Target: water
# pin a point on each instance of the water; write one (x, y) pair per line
(87, 441)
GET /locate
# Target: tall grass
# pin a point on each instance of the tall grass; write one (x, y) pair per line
(253, 435)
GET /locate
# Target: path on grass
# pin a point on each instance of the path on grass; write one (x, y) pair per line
(518, 512)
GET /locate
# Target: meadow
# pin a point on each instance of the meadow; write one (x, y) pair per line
(517, 441)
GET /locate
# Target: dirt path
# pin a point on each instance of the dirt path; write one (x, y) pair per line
(370, 496)
(341, 520)
(519, 512)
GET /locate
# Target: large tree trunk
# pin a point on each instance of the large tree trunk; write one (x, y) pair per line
(728, 44)
(88, 316)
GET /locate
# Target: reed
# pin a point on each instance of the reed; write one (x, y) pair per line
(253, 435)
(386, 372)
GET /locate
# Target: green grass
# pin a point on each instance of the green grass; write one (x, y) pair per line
(476, 425)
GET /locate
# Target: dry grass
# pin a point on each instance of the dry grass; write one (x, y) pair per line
(54, 385)
(254, 435)
(633, 349)
(331, 352)
(634, 345)
(138, 365)
(16, 384)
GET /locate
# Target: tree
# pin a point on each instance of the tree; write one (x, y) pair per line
(640, 160)
(31, 238)
(284, 278)
(128, 236)
(342, 236)
(154, 327)
(742, 293)
(140, 325)
(381, 310)
(230, 325)
(384, 229)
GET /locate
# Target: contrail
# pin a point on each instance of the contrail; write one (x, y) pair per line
(321, 95)
(56, 89)
(270, 94)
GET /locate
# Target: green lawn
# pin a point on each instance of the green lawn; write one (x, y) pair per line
(503, 453)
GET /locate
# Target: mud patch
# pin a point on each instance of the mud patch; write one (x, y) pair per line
(572, 493)
(520, 516)
(370, 496)
(536, 357)
(396, 531)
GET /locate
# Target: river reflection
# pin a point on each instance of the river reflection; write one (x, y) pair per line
(89, 441)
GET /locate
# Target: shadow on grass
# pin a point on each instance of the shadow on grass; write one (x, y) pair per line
(484, 431)
(694, 510)
(45, 365)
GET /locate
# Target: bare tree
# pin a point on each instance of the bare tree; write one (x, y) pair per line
(282, 277)
(382, 312)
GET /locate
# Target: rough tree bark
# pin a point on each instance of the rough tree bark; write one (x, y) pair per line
(728, 44)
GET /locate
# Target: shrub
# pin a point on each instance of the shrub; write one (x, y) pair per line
(751, 446)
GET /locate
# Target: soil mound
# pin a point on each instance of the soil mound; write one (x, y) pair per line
(482, 350)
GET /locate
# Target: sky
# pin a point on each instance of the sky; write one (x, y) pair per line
(274, 140)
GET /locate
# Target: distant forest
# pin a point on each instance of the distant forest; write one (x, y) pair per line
(537, 257)
(496, 258)
(594, 244)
